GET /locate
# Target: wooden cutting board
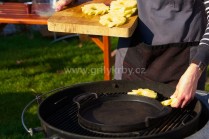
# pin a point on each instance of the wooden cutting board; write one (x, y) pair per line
(72, 20)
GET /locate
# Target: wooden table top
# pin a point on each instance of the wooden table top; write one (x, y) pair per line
(72, 20)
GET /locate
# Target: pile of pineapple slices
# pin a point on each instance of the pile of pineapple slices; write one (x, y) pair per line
(112, 16)
(124, 8)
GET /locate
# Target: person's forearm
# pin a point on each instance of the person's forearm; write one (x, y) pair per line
(195, 70)
(186, 87)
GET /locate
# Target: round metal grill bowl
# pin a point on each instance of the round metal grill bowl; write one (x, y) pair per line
(58, 112)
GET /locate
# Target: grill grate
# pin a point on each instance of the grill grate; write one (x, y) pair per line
(66, 119)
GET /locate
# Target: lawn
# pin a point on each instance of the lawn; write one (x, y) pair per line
(32, 66)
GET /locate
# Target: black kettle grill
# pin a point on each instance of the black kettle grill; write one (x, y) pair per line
(59, 113)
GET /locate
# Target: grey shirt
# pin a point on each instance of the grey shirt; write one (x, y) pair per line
(171, 21)
(175, 21)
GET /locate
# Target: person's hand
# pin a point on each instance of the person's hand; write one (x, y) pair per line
(61, 4)
(186, 87)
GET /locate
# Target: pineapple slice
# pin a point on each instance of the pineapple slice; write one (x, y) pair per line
(144, 92)
(168, 101)
(111, 20)
(95, 9)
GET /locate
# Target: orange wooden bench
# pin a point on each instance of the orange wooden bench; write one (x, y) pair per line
(16, 13)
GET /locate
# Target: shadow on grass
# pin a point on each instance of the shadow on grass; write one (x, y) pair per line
(12, 105)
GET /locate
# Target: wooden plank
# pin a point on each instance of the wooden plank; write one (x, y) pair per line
(12, 5)
(22, 6)
(23, 19)
(107, 64)
(14, 8)
(15, 13)
(72, 20)
(12, 11)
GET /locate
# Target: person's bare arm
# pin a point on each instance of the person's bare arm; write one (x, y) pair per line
(61, 4)
(186, 87)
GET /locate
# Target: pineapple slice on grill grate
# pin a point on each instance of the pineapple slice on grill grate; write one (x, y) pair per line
(144, 92)
(168, 102)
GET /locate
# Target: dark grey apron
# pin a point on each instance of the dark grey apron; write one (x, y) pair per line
(159, 49)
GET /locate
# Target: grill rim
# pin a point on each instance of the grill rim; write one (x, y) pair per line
(51, 129)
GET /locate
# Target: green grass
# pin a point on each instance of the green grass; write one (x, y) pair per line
(33, 66)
